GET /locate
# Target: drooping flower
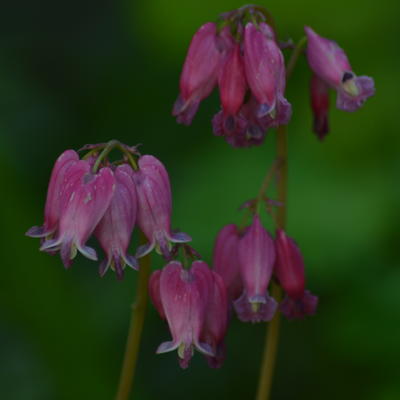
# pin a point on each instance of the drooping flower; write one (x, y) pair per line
(115, 228)
(183, 299)
(232, 88)
(216, 322)
(289, 269)
(54, 195)
(154, 207)
(330, 63)
(199, 74)
(320, 105)
(256, 257)
(83, 202)
(226, 261)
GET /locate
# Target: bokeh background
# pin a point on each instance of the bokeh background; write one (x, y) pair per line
(84, 72)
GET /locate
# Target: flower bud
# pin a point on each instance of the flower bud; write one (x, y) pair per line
(320, 105)
(232, 86)
(256, 257)
(115, 228)
(289, 269)
(225, 260)
(216, 322)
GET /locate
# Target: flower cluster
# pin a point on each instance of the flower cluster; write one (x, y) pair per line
(242, 57)
(93, 196)
(197, 301)
(247, 260)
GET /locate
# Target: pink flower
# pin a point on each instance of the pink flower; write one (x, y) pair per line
(57, 183)
(262, 59)
(83, 201)
(226, 261)
(289, 269)
(256, 257)
(232, 87)
(115, 228)
(320, 105)
(154, 207)
(216, 322)
(184, 296)
(199, 74)
(330, 63)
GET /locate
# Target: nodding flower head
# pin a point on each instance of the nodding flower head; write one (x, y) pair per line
(330, 63)
(289, 269)
(154, 207)
(245, 58)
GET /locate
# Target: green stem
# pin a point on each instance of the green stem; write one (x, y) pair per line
(295, 56)
(135, 330)
(272, 336)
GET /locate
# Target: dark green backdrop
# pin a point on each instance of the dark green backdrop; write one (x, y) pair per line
(83, 72)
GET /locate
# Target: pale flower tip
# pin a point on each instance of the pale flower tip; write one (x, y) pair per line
(144, 249)
(88, 252)
(131, 261)
(166, 347)
(180, 237)
(36, 232)
(103, 268)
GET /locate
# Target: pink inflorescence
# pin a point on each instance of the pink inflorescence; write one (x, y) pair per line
(248, 259)
(241, 56)
(88, 197)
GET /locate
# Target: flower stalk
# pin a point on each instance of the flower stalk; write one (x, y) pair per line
(135, 329)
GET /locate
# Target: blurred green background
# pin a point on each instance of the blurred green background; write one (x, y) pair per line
(84, 72)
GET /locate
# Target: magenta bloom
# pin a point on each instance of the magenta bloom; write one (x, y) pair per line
(329, 62)
(289, 269)
(199, 74)
(154, 207)
(256, 257)
(115, 228)
(216, 322)
(84, 200)
(232, 87)
(184, 297)
(260, 55)
(226, 261)
(56, 186)
(320, 105)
